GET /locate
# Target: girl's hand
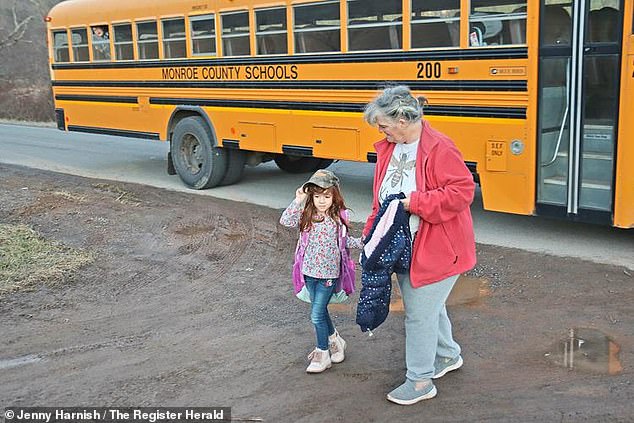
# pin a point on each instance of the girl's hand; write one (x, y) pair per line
(300, 195)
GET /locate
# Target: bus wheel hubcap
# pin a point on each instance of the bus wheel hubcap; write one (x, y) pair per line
(192, 153)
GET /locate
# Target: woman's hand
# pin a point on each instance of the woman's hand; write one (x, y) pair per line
(300, 195)
(405, 202)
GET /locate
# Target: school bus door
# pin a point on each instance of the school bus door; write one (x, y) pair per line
(580, 57)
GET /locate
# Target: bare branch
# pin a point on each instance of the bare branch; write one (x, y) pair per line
(18, 31)
(41, 7)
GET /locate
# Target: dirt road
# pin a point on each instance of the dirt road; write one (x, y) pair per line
(189, 303)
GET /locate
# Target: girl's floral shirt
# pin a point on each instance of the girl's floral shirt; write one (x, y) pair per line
(321, 258)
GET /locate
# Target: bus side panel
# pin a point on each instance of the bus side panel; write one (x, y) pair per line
(335, 135)
(132, 117)
(506, 178)
(624, 186)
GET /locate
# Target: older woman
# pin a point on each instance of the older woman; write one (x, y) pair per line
(427, 167)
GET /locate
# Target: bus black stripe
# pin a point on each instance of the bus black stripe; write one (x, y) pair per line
(97, 98)
(436, 85)
(432, 110)
(233, 144)
(296, 150)
(474, 111)
(116, 132)
(467, 54)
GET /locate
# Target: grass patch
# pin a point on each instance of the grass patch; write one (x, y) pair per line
(70, 196)
(27, 259)
(122, 196)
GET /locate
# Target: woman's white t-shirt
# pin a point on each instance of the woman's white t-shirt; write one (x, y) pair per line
(401, 177)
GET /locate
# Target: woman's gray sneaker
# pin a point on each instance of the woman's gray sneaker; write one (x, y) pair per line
(445, 365)
(412, 392)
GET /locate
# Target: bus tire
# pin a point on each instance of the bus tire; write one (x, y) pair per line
(296, 164)
(235, 167)
(197, 161)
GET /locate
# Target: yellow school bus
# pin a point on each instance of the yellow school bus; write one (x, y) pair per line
(538, 95)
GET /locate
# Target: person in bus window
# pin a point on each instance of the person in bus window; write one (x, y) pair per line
(438, 193)
(101, 42)
(100, 33)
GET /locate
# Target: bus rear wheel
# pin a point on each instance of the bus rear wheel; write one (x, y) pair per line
(295, 164)
(198, 163)
(235, 167)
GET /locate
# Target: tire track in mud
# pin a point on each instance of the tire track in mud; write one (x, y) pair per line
(175, 381)
(270, 246)
(265, 273)
(246, 257)
(173, 246)
(248, 247)
(119, 342)
(213, 239)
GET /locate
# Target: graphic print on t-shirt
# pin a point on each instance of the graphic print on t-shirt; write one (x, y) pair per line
(398, 167)
(397, 171)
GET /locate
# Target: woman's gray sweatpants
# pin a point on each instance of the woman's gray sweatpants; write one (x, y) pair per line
(427, 327)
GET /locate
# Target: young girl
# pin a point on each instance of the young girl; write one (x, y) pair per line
(322, 262)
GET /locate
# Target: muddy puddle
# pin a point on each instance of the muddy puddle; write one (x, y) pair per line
(588, 350)
(468, 290)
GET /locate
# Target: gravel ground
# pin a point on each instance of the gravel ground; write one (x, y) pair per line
(188, 303)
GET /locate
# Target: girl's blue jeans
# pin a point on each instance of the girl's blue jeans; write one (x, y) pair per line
(320, 291)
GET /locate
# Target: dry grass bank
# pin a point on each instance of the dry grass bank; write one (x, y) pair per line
(27, 259)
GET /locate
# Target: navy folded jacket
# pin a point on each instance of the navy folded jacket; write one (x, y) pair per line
(388, 249)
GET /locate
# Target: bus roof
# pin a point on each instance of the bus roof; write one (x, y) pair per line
(82, 12)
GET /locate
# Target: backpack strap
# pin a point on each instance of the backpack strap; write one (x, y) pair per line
(344, 216)
(303, 238)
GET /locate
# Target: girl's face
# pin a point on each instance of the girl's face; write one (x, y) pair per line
(322, 200)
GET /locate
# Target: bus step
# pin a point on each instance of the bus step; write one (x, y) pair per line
(598, 138)
(595, 167)
(593, 194)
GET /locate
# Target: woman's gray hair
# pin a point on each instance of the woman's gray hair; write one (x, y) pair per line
(395, 103)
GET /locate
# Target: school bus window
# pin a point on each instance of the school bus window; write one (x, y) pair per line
(235, 34)
(60, 46)
(123, 44)
(317, 27)
(375, 24)
(497, 22)
(603, 24)
(174, 40)
(100, 42)
(556, 25)
(271, 30)
(203, 35)
(147, 40)
(79, 40)
(435, 24)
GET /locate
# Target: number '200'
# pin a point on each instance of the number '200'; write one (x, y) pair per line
(428, 70)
